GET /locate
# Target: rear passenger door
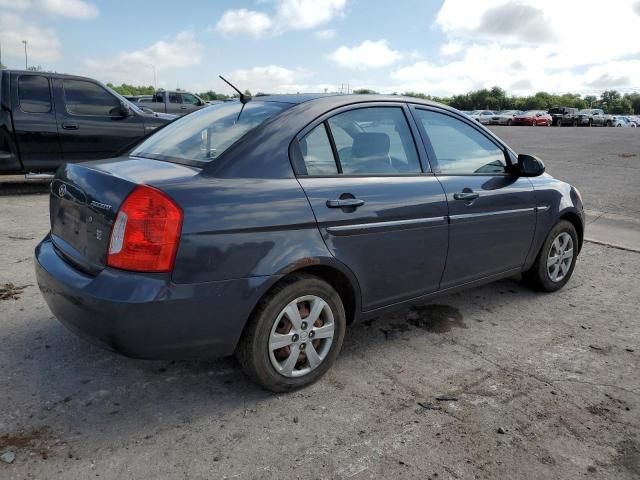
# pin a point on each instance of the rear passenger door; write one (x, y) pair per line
(492, 213)
(379, 208)
(34, 120)
(90, 121)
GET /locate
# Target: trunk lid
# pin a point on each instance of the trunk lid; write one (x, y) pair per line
(85, 199)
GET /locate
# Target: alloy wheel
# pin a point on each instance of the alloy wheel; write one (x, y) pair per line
(301, 336)
(560, 257)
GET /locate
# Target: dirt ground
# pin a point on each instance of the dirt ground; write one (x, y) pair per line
(496, 382)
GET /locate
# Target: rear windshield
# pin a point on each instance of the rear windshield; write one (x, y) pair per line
(202, 136)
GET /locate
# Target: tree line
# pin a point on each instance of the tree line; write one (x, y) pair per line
(495, 98)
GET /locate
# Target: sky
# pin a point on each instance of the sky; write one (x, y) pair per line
(437, 47)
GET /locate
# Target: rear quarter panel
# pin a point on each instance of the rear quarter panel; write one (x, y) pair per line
(246, 227)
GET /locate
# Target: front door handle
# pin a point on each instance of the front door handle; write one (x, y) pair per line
(345, 203)
(183, 108)
(70, 126)
(466, 196)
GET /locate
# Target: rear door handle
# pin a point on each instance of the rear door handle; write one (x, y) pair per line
(466, 196)
(70, 126)
(183, 108)
(345, 203)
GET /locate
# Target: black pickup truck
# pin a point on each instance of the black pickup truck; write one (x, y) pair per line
(564, 116)
(48, 118)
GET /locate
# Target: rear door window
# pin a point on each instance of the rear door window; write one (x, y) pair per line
(34, 94)
(317, 152)
(174, 97)
(87, 98)
(374, 141)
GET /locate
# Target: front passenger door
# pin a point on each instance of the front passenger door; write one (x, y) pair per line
(90, 121)
(492, 213)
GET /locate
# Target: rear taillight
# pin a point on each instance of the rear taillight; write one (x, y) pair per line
(145, 235)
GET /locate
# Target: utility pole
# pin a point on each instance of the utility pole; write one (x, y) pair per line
(155, 86)
(25, 55)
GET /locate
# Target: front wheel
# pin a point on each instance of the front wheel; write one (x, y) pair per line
(294, 335)
(557, 259)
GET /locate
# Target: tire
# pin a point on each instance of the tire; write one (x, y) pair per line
(509, 123)
(539, 276)
(590, 123)
(558, 123)
(268, 367)
(575, 123)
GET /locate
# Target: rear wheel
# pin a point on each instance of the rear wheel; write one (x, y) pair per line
(295, 334)
(557, 258)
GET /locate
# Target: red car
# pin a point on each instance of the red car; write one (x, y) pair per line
(533, 118)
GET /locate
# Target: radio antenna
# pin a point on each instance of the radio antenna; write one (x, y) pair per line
(243, 97)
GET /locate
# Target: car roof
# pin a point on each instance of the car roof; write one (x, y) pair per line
(340, 98)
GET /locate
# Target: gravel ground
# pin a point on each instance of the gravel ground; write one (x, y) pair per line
(496, 382)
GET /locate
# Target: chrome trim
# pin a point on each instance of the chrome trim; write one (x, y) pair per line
(362, 228)
(543, 208)
(467, 216)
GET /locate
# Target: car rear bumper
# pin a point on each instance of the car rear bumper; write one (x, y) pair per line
(146, 315)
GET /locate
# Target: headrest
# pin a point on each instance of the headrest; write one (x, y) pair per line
(370, 144)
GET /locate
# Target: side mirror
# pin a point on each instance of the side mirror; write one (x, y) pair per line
(530, 166)
(124, 110)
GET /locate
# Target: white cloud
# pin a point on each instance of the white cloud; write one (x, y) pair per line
(136, 66)
(274, 79)
(15, 4)
(244, 21)
(70, 8)
(288, 15)
(43, 43)
(305, 14)
(369, 54)
(528, 46)
(451, 48)
(325, 34)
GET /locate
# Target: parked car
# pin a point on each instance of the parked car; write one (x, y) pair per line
(563, 116)
(533, 118)
(48, 118)
(505, 117)
(633, 121)
(591, 117)
(178, 103)
(264, 229)
(622, 121)
(482, 116)
(139, 98)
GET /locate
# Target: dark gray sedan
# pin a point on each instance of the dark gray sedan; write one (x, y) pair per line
(264, 229)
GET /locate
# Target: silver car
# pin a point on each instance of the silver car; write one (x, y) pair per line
(504, 117)
(482, 116)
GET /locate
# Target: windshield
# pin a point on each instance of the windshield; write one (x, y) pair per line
(203, 135)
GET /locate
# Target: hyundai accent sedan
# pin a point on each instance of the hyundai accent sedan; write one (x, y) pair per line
(264, 229)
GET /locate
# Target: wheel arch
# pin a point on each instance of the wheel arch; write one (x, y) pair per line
(331, 271)
(576, 221)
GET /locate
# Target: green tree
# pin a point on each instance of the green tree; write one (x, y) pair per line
(364, 91)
